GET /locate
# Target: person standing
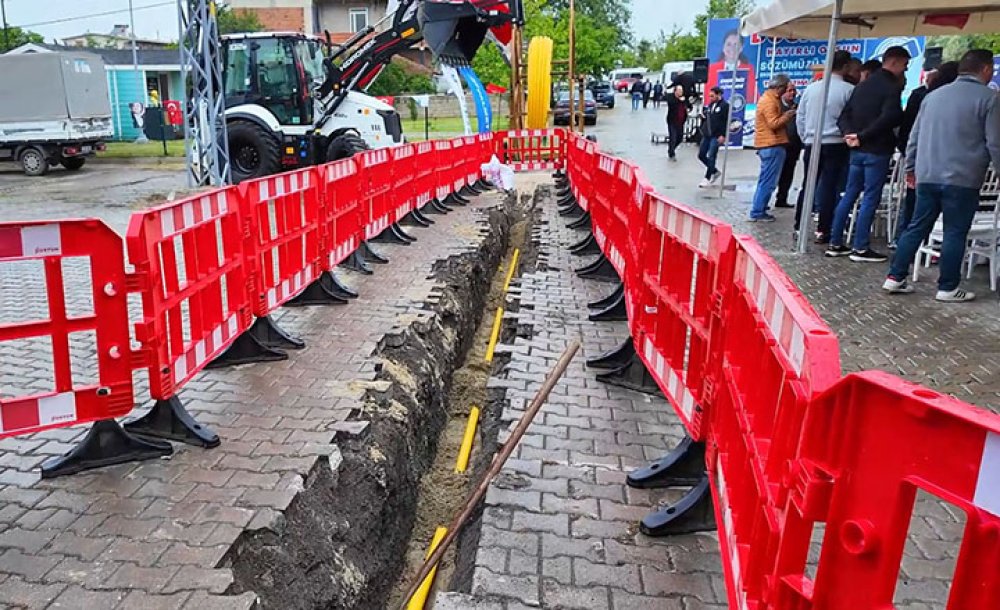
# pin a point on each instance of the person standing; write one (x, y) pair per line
(647, 91)
(636, 91)
(833, 152)
(677, 113)
(954, 139)
(792, 151)
(770, 140)
(945, 74)
(657, 94)
(714, 128)
(868, 123)
(868, 68)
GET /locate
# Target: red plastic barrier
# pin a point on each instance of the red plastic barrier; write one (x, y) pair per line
(776, 355)
(425, 186)
(403, 176)
(617, 248)
(285, 236)
(444, 159)
(637, 225)
(533, 149)
(69, 403)
(685, 270)
(341, 211)
(581, 163)
(376, 184)
(191, 268)
(870, 444)
(603, 198)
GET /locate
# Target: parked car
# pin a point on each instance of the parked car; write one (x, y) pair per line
(603, 93)
(622, 78)
(560, 116)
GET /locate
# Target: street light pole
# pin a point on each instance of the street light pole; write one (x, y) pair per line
(6, 33)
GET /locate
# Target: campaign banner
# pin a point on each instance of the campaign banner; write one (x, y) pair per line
(760, 58)
(735, 92)
(995, 83)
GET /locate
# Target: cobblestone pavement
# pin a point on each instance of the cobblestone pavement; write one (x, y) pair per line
(559, 530)
(156, 534)
(560, 527)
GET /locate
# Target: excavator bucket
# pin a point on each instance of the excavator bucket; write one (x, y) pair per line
(456, 30)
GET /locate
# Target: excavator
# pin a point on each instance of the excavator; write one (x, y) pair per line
(294, 100)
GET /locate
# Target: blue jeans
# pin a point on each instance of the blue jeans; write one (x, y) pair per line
(636, 100)
(906, 212)
(771, 161)
(867, 174)
(958, 204)
(708, 152)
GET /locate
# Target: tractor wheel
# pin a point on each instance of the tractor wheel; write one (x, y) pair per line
(344, 146)
(253, 151)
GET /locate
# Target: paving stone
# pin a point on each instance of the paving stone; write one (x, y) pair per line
(451, 600)
(657, 582)
(556, 595)
(29, 567)
(622, 600)
(140, 600)
(625, 577)
(521, 588)
(534, 522)
(528, 500)
(76, 598)
(17, 592)
(203, 601)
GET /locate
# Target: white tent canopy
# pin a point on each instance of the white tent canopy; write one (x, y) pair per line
(810, 19)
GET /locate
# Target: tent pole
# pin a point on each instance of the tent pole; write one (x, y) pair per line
(805, 223)
(729, 123)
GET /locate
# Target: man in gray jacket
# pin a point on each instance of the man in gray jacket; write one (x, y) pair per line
(956, 135)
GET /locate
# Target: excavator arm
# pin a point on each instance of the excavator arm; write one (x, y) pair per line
(453, 31)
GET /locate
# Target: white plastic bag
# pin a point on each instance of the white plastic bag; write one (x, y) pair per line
(502, 176)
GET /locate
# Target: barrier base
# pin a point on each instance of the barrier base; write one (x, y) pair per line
(585, 247)
(357, 262)
(564, 196)
(456, 199)
(168, 419)
(393, 235)
(372, 255)
(684, 465)
(615, 312)
(572, 212)
(582, 222)
(418, 216)
(106, 444)
(633, 376)
(692, 513)
(616, 358)
(484, 185)
(436, 207)
(609, 300)
(600, 269)
(326, 290)
(467, 191)
(261, 343)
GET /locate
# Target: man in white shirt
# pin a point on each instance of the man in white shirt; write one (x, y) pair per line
(834, 154)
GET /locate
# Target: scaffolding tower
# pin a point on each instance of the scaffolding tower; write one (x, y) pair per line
(206, 144)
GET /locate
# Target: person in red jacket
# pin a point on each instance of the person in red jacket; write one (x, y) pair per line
(731, 58)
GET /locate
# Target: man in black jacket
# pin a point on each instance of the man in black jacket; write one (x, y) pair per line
(868, 123)
(678, 107)
(714, 123)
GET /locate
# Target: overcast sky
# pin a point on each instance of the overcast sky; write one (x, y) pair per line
(158, 18)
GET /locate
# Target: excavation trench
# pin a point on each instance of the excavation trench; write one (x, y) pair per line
(443, 492)
(343, 542)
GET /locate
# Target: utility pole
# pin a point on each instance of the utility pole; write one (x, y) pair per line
(135, 61)
(572, 65)
(6, 33)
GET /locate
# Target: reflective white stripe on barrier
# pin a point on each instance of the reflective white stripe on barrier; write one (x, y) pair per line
(530, 133)
(534, 166)
(283, 184)
(599, 237)
(617, 261)
(35, 412)
(677, 391)
(30, 242)
(198, 353)
(988, 484)
(377, 226)
(289, 287)
(193, 213)
(689, 230)
(727, 521)
(341, 252)
(783, 327)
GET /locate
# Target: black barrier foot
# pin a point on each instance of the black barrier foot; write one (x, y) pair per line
(418, 214)
(582, 222)
(615, 312)
(373, 255)
(467, 191)
(692, 513)
(585, 247)
(260, 343)
(326, 290)
(608, 300)
(169, 420)
(600, 269)
(566, 200)
(399, 232)
(393, 235)
(106, 444)
(573, 212)
(484, 185)
(633, 376)
(411, 220)
(436, 207)
(564, 195)
(684, 465)
(456, 200)
(356, 262)
(616, 358)
(272, 335)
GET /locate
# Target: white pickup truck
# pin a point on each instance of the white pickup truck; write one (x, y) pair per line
(54, 109)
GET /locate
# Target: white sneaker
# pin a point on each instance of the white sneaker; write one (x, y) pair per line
(715, 177)
(705, 183)
(955, 296)
(896, 286)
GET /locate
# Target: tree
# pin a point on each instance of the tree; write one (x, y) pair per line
(491, 66)
(13, 37)
(955, 46)
(395, 79)
(237, 21)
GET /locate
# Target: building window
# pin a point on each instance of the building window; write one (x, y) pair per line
(359, 19)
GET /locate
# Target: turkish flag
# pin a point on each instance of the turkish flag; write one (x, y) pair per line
(494, 89)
